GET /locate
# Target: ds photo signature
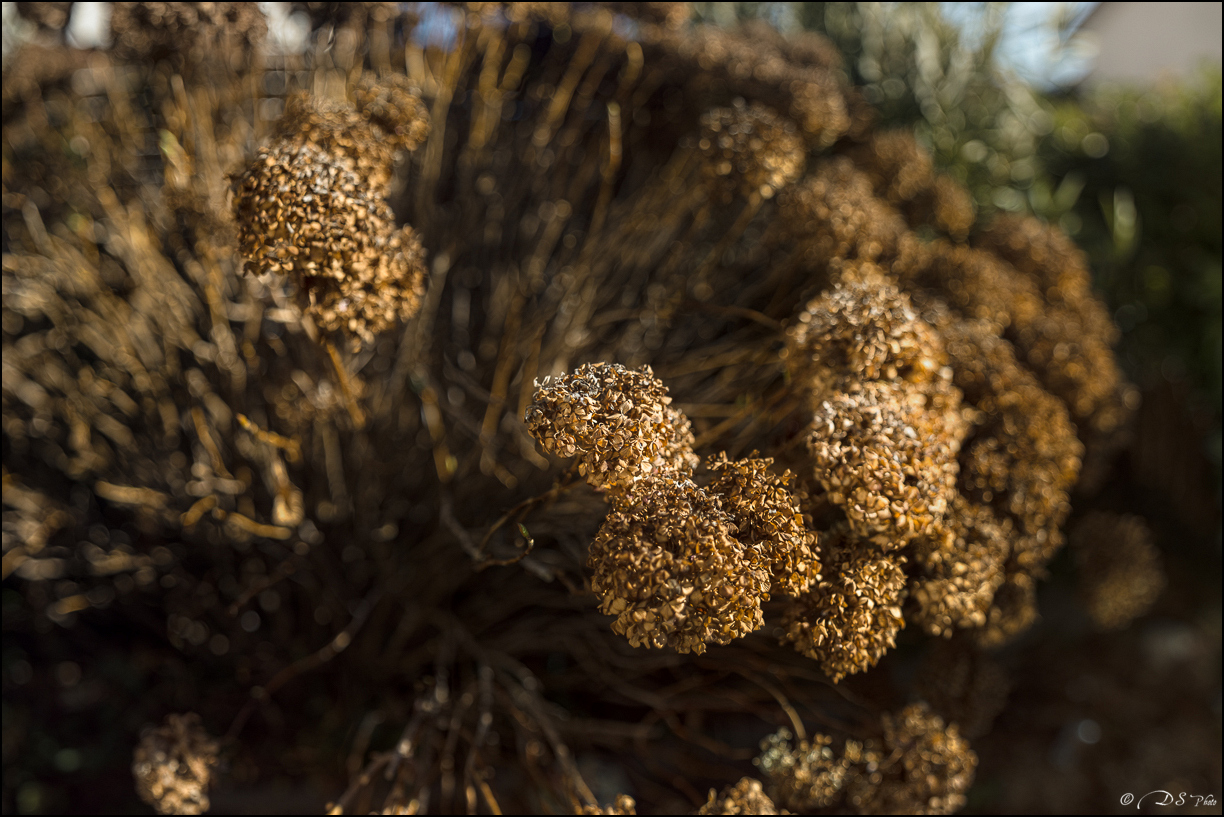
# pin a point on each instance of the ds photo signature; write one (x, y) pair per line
(1167, 798)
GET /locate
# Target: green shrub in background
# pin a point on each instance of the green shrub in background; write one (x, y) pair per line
(1146, 165)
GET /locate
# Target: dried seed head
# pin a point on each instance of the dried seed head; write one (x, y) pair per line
(851, 618)
(311, 207)
(198, 31)
(1120, 576)
(933, 770)
(173, 765)
(618, 422)
(863, 328)
(886, 453)
(833, 213)
(962, 563)
(811, 775)
(1013, 610)
(767, 519)
(745, 797)
(668, 566)
(750, 149)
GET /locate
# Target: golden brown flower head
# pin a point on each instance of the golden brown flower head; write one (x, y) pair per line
(392, 104)
(835, 211)
(668, 566)
(851, 618)
(173, 764)
(811, 775)
(767, 518)
(898, 167)
(750, 149)
(619, 423)
(1120, 575)
(1013, 610)
(745, 797)
(308, 213)
(962, 567)
(863, 328)
(886, 453)
(934, 769)
(198, 31)
(623, 804)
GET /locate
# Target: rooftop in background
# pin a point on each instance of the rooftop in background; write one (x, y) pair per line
(1143, 42)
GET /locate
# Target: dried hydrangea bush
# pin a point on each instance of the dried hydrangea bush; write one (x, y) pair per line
(700, 236)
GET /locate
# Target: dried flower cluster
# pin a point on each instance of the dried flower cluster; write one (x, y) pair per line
(852, 617)
(750, 149)
(198, 31)
(745, 797)
(619, 423)
(173, 765)
(312, 207)
(678, 565)
(810, 775)
(917, 765)
(1120, 572)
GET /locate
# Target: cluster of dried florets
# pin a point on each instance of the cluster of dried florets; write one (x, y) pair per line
(903, 173)
(749, 149)
(198, 31)
(678, 565)
(619, 423)
(851, 618)
(173, 765)
(668, 566)
(942, 425)
(1120, 572)
(918, 765)
(811, 775)
(312, 206)
(745, 797)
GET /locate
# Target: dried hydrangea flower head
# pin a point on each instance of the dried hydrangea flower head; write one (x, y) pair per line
(1012, 611)
(811, 774)
(929, 770)
(311, 206)
(962, 563)
(668, 566)
(886, 453)
(887, 426)
(199, 31)
(623, 804)
(619, 423)
(767, 518)
(745, 797)
(1072, 347)
(837, 215)
(173, 765)
(1120, 575)
(863, 328)
(749, 149)
(852, 616)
